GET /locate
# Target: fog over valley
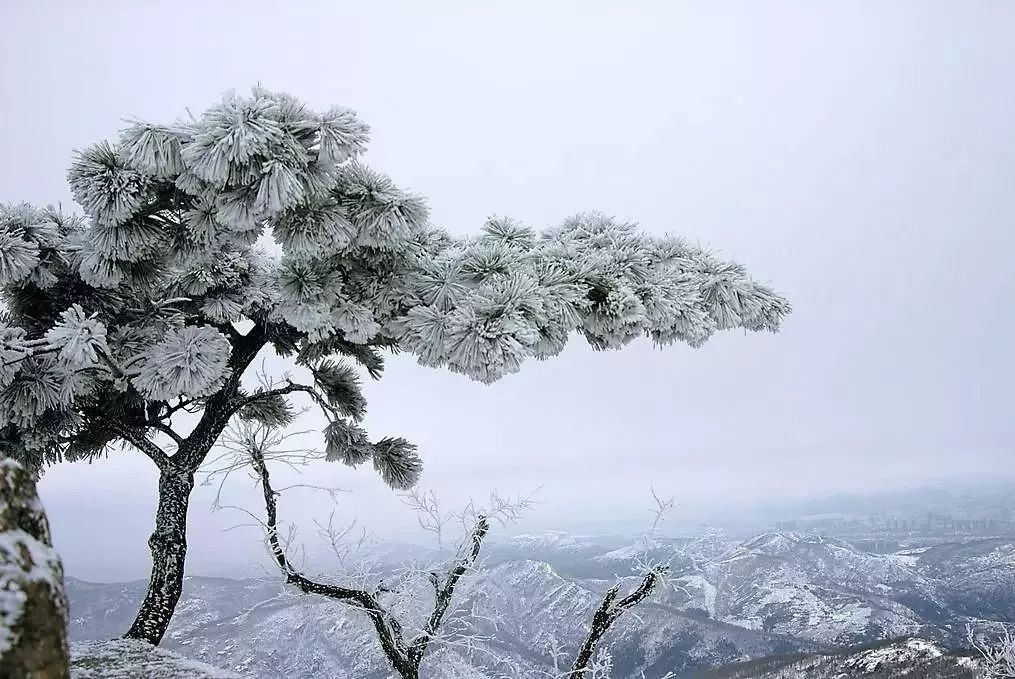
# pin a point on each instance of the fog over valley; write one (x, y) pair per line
(572, 340)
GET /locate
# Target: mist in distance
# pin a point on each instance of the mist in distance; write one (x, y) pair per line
(858, 158)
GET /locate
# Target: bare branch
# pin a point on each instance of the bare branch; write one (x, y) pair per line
(426, 504)
(998, 657)
(611, 609)
(446, 589)
(387, 627)
(659, 512)
(609, 612)
(256, 442)
(154, 452)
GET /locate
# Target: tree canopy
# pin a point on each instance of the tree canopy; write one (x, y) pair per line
(116, 318)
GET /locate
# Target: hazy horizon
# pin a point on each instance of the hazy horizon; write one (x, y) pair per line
(858, 157)
(247, 556)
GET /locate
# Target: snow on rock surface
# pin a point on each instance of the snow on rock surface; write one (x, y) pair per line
(33, 607)
(911, 652)
(131, 659)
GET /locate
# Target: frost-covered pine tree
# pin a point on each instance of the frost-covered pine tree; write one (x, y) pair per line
(136, 323)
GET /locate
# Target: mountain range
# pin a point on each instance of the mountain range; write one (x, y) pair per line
(778, 602)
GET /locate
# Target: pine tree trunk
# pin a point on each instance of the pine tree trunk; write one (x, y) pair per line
(169, 552)
(33, 607)
(169, 541)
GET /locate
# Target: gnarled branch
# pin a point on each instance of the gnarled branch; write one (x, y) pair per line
(609, 612)
(404, 657)
(387, 627)
(443, 591)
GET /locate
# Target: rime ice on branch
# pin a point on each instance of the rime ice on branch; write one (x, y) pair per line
(156, 302)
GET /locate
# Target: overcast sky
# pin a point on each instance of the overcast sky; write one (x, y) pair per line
(857, 156)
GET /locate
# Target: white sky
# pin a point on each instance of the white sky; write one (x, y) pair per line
(859, 156)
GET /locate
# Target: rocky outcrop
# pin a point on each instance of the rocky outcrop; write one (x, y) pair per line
(33, 607)
(133, 659)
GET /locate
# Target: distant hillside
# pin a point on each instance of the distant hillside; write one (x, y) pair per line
(777, 598)
(914, 658)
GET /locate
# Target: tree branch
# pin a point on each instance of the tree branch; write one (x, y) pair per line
(388, 629)
(405, 658)
(167, 430)
(217, 410)
(292, 387)
(172, 410)
(607, 614)
(157, 455)
(648, 583)
(445, 591)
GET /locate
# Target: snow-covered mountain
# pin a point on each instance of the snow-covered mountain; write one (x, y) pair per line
(548, 541)
(823, 590)
(535, 608)
(776, 594)
(827, 591)
(912, 658)
(256, 628)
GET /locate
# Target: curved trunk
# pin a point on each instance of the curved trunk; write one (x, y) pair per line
(169, 541)
(169, 552)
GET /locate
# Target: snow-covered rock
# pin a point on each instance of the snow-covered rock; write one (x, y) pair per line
(33, 607)
(130, 659)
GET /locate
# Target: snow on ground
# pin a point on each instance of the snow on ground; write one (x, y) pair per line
(700, 590)
(911, 652)
(128, 659)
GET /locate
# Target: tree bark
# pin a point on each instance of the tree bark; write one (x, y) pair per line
(168, 546)
(168, 543)
(33, 606)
